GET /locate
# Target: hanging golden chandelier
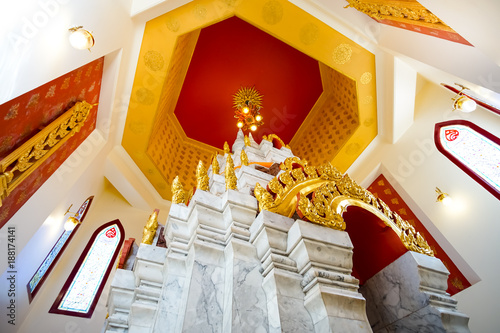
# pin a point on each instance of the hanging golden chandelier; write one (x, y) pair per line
(248, 102)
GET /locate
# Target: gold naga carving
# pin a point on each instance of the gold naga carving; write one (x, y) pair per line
(149, 231)
(23, 161)
(215, 164)
(322, 194)
(202, 179)
(272, 137)
(231, 181)
(243, 158)
(409, 10)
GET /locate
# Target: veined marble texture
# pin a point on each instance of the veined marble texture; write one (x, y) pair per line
(400, 299)
(205, 301)
(249, 311)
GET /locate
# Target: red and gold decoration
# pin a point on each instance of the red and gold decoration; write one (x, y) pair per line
(22, 118)
(248, 102)
(383, 190)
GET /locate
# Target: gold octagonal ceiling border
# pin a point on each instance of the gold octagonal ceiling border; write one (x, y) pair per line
(280, 19)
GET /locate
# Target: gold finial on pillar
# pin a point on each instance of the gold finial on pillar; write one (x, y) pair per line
(149, 231)
(215, 164)
(247, 141)
(231, 181)
(243, 158)
(178, 194)
(201, 177)
(226, 148)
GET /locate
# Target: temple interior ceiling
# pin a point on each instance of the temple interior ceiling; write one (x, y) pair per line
(316, 84)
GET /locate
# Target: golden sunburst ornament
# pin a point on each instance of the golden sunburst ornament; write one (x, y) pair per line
(248, 102)
(247, 95)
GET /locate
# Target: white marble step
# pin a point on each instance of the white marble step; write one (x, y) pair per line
(119, 317)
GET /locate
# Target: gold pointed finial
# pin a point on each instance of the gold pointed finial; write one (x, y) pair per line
(149, 231)
(201, 177)
(231, 181)
(247, 141)
(215, 164)
(226, 148)
(243, 158)
(178, 194)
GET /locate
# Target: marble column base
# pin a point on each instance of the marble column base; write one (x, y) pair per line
(409, 295)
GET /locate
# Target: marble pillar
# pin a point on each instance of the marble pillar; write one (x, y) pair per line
(409, 295)
(324, 259)
(282, 283)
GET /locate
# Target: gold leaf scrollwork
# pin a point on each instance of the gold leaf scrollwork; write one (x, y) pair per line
(202, 179)
(231, 181)
(319, 211)
(348, 187)
(179, 195)
(329, 172)
(412, 240)
(149, 231)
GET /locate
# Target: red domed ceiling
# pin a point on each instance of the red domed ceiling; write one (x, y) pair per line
(233, 54)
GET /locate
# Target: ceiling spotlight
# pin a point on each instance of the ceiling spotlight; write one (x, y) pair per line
(463, 102)
(80, 38)
(253, 127)
(443, 197)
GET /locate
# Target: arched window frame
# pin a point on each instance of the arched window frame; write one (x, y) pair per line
(56, 252)
(456, 161)
(67, 284)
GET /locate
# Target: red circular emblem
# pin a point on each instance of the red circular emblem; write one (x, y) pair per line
(451, 135)
(111, 233)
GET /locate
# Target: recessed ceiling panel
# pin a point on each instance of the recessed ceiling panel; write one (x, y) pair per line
(233, 54)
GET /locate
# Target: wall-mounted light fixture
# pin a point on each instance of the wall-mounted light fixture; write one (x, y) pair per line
(72, 221)
(462, 102)
(80, 38)
(443, 197)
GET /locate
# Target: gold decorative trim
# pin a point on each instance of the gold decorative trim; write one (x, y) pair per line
(322, 194)
(272, 137)
(22, 162)
(149, 231)
(411, 12)
(227, 150)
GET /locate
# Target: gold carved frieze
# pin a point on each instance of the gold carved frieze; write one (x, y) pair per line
(23, 161)
(322, 194)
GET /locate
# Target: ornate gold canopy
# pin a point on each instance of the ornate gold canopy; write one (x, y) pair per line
(322, 194)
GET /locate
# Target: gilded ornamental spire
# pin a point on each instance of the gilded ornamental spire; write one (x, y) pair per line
(201, 177)
(243, 158)
(231, 181)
